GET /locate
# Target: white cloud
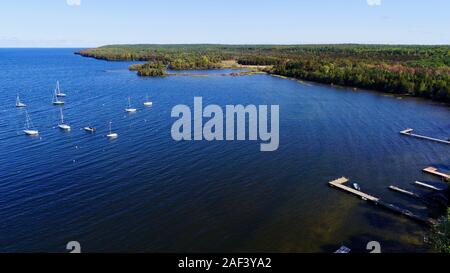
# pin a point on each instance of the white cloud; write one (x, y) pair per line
(374, 2)
(73, 2)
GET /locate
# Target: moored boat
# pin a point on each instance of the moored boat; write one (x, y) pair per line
(147, 102)
(29, 127)
(19, 104)
(57, 101)
(58, 90)
(90, 129)
(63, 125)
(111, 135)
(129, 109)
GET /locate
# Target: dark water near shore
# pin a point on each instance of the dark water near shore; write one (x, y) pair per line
(146, 193)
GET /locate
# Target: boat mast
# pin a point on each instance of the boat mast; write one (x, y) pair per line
(28, 123)
(62, 116)
(58, 91)
(27, 117)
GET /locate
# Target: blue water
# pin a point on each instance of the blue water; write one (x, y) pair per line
(145, 192)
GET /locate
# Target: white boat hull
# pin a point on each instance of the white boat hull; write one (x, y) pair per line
(148, 103)
(31, 132)
(21, 105)
(130, 110)
(112, 135)
(58, 103)
(89, 129)
(64, 127)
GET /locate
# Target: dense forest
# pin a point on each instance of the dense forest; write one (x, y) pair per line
(440, 236)
(422, 71)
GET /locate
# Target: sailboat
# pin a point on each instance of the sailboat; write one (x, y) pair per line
(58, 90)
(19, 104)
(29, 127)
(147, 102)
(62, 125)
(111, 135)
(129, 109)
(56, 101)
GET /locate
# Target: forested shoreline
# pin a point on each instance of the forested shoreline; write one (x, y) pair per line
(422, 71)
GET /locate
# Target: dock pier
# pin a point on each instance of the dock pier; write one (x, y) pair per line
(427, 186)
(411, 194)
(406, 192)
(339, 183)
(436, 172)
(409, 132)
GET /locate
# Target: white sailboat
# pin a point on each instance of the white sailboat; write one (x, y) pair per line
(19, 104)
(29, 127)
(58, 90)
(129, 109)
(56, 101)
(62, 125)
(147, 102)
(111, 135)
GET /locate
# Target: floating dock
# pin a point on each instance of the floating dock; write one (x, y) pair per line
(406, 192)
(411, 194)
(427, 186)
(436, 172)
(339, 183)
(409, 132)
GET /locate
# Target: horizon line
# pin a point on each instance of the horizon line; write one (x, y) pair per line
(225, 44)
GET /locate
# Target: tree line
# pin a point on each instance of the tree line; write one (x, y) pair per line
(422, 71)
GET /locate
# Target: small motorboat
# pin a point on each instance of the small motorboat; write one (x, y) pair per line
(343, 249)
(356, 187)
(90, 129)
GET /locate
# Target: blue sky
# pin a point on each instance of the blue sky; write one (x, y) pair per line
(85, 23)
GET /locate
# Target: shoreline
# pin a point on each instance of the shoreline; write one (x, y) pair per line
(262, 70)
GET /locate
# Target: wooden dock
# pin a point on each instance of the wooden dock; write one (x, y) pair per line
(339, 183)
(406, 192)
(411, 194)
(436, 172)
(427, 186)
(409, 132)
